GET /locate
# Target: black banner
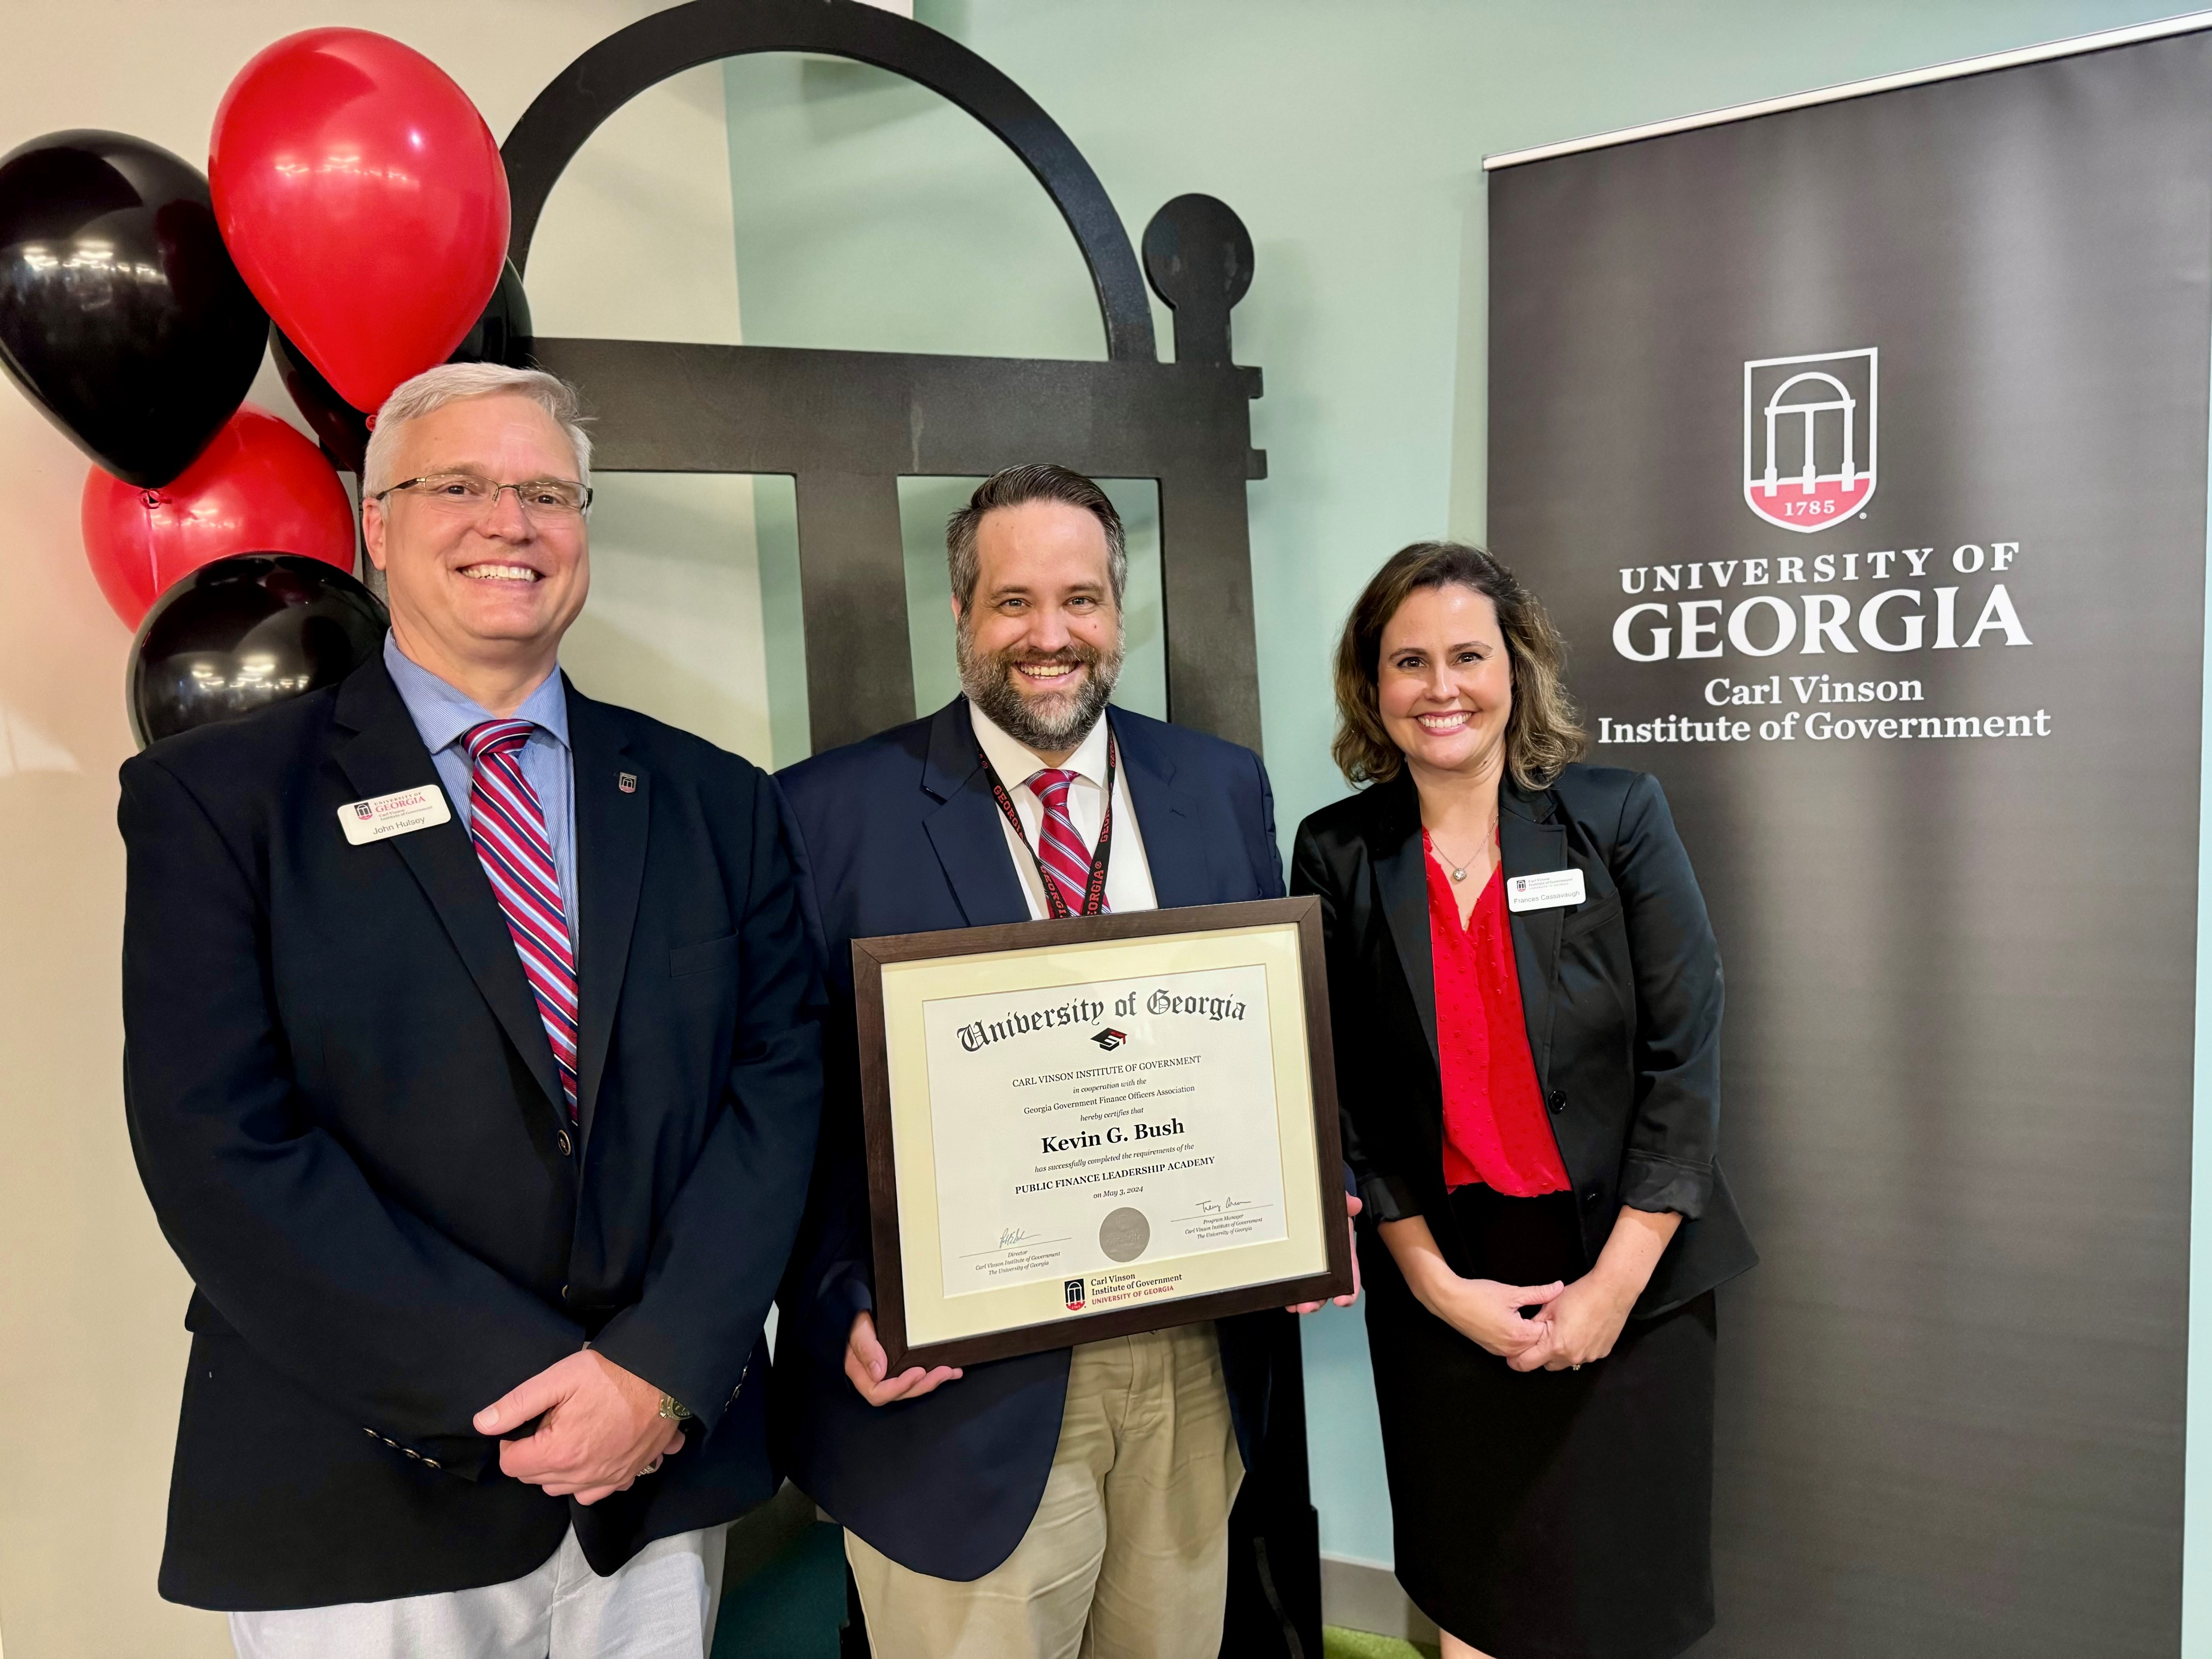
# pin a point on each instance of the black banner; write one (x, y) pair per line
(1860, 451)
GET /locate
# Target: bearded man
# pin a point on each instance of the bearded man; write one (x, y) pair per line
(1072, 1500)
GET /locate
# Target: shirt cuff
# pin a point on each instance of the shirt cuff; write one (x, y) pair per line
(1386, 1198)
(1650, 1181)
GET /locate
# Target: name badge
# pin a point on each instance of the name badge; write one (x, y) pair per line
(1547, 892)
(382, 817)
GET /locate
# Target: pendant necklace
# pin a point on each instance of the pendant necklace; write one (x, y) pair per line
(1457, 866)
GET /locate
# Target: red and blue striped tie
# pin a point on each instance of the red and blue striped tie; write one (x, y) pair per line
(507, 824)
(1060, 848)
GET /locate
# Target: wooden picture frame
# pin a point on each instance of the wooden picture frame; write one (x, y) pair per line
(892, 979)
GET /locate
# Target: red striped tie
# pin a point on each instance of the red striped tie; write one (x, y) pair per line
(507, 824)
(1060, 848)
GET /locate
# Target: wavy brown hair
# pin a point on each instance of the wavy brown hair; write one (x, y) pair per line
(1542, 733)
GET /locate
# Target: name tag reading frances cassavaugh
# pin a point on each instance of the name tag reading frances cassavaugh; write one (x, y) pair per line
(1545, 891)
(382, 817)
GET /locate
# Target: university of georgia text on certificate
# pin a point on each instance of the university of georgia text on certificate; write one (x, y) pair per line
(1090, 1126)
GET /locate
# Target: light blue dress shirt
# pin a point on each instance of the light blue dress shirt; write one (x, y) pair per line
(444, 715)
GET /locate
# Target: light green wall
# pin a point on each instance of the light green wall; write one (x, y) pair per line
(1349, 135)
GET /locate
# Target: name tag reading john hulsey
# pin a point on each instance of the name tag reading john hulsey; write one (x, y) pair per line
(382, 817)
(1549, 890)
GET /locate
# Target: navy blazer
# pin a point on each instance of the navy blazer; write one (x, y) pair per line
(345, 1109)
(899, 834)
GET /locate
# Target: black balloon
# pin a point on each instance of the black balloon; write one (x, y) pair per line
(243, 633)
(502, 335)
(342, 428)
(121, 313)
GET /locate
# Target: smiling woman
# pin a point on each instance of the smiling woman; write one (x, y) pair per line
(1539, 719)
(1527, 997)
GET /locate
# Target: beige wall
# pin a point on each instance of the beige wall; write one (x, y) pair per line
(636, 242)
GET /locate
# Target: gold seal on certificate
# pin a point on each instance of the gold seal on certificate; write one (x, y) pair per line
(1098, 1126)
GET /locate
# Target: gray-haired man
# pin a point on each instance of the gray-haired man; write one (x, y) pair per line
(473, 1071)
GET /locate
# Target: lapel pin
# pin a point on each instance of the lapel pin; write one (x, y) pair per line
(627, 782)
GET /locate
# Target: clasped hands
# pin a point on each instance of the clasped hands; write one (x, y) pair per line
(1570, 1326)
(599, 1428)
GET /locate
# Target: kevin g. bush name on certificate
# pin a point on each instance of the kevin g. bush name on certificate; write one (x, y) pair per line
(1165, 1146)
(1119, 1119)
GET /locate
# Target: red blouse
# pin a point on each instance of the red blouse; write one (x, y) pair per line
(1495, 1130)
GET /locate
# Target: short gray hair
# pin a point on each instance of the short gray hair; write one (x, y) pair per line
(1015, 486)
(452, 383)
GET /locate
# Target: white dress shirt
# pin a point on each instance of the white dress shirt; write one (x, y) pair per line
(1128, 877)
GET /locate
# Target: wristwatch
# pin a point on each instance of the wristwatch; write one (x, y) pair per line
(674, 1409)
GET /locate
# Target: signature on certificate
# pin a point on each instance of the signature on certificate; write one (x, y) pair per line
(1012, 1236)
(1217, 1205)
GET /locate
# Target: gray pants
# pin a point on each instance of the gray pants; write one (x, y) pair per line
(660, 1606)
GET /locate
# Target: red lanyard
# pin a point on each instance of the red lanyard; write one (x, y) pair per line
(1094, 885)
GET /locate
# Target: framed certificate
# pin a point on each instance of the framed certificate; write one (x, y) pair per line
(1094, 1126)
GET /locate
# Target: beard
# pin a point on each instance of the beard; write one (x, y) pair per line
(1049, 723)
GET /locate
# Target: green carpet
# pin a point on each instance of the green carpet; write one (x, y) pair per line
(1340, 1644)
(783, 1586)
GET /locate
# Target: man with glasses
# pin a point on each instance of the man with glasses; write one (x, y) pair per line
(473, 1070)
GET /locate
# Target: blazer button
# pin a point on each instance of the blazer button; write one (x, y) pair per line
(560, 1140)
(564, 1292)
(1557, 1100)
(430, 1462)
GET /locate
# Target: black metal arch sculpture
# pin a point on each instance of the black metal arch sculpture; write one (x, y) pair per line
(847, 425)
(555, 126)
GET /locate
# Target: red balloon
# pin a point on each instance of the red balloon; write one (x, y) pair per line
(364, 200)
(259, 487)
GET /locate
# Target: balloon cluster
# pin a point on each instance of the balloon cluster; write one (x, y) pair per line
(353, 218)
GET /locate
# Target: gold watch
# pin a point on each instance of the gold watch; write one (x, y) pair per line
(674, 1409)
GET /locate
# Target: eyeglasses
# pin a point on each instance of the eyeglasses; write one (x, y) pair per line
(467, 494)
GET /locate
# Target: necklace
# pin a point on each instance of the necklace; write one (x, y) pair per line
(1458, 866)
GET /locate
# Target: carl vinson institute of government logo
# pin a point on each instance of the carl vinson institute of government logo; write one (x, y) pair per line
(1808, 437)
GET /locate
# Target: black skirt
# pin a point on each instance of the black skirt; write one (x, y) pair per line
(1547, 1514)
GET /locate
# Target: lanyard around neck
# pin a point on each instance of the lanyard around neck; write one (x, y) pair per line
(1094, 884)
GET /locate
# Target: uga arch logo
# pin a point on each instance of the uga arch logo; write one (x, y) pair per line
(1809, 433)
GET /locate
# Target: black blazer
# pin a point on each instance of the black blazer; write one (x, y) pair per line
(344, 1109)
(900, 835)
(1621, 993)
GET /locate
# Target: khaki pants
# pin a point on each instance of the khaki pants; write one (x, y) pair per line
(1127, 1556)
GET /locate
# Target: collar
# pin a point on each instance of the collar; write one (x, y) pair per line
(1534, 804)
(1016, 762)
(442, 714)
